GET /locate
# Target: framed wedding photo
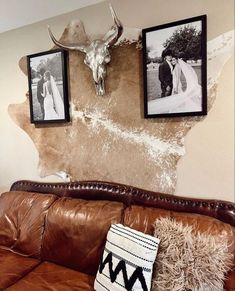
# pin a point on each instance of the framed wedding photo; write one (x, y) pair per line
(48, 87)
(174, 68)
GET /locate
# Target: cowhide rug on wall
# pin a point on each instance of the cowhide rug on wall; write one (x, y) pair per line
(108, 138)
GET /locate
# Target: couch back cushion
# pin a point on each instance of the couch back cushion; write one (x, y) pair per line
(76, 230)
(142, 219)
(22, 217)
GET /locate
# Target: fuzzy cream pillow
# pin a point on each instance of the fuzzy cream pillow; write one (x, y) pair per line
(188, 261)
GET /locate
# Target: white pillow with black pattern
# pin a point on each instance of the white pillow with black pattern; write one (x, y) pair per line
(127, 261)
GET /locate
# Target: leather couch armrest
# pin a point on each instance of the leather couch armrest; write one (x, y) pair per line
(230, 282)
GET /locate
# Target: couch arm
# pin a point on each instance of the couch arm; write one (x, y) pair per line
(230, 282)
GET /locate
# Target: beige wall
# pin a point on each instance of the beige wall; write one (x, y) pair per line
(207, 169)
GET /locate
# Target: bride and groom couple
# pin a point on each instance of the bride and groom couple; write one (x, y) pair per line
(49, 98)
(169, 74)
(176, 100)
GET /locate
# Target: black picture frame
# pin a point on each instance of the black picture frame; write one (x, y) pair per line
(48, 92)
(186, 40)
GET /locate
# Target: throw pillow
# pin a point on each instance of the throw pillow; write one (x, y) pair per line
(127, 261)
(188, 261)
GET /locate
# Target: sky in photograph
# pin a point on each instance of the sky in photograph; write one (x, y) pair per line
(35, 61)
(155, 39)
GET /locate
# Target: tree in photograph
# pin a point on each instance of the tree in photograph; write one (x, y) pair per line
(150, 58)
(185, 42)
(34, 74)
(52, 65)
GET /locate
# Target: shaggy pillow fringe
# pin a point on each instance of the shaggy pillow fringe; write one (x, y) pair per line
(188, 261)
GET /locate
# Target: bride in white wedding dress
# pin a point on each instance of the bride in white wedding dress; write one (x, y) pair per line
(53, 103)
(188, 101)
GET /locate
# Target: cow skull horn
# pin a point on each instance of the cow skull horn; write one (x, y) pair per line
(116, 30)
(74, 47)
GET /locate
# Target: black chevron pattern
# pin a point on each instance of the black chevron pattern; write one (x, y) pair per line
(121, 267)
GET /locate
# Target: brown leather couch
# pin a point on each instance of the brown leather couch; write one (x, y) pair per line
(52, 235)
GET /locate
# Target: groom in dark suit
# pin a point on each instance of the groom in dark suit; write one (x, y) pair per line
(40, 91)
(165, 73)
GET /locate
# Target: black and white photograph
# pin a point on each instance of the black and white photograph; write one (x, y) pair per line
(48, 90)
(174, 61)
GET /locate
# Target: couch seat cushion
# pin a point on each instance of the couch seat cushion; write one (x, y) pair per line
(13, 267)
(49, 276)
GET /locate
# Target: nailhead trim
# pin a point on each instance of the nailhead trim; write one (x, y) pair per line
(128, 190)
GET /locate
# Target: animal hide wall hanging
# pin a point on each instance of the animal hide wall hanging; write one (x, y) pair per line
(108, 138)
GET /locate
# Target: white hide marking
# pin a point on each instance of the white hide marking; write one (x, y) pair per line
(63, 175)
(154, 145)
(219, 50)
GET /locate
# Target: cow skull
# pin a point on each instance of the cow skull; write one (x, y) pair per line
(97, 53)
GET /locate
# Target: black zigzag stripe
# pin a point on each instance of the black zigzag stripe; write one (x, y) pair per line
(121, 266)
(127, 262)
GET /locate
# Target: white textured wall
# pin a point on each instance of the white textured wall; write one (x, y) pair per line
(207, 169)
